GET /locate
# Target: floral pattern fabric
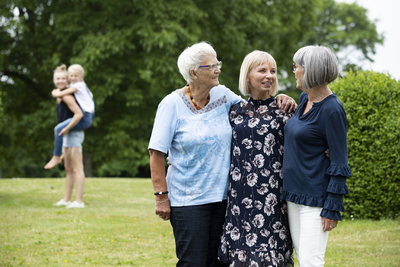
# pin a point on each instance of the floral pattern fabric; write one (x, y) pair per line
(256, 229)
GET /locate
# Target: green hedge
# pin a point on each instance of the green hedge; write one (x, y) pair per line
(372, 104)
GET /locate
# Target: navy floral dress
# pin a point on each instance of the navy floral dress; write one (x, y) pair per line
(256, 229)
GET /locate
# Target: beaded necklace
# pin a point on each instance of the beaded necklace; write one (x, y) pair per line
(194, 102)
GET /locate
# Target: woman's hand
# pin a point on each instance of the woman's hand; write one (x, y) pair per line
(286, 103)
(163, 208)
(329, 224)
(328, 154)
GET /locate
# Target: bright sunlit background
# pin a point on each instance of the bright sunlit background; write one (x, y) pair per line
(387, 57)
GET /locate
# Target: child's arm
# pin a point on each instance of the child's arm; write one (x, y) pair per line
(78, 115)
(57, 93)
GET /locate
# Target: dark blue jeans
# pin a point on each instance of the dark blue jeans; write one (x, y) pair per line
(197, 231)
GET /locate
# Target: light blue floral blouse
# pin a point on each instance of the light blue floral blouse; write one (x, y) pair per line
(198, 144)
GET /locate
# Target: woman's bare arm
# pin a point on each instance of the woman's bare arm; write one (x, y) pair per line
(78, 115)
(157, 169)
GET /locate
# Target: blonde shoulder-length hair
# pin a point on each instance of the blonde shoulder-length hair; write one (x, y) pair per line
(253, 59)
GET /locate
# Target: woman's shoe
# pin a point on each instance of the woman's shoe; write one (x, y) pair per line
(62, 203)
(75, 204)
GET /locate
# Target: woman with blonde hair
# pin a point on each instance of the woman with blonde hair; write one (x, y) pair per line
(256, 229)
(68, 109)
(84, 98)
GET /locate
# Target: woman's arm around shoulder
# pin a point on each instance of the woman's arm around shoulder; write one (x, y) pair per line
(231, 97)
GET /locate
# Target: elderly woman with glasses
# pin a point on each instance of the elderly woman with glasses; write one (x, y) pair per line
(313, 185)
(192, 126)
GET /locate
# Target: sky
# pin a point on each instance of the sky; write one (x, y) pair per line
(387, 57)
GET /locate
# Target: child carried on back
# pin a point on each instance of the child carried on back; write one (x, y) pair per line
(84, 99)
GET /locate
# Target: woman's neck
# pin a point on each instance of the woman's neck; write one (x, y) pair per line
(199, 93)
(317, 94)
(260, 96)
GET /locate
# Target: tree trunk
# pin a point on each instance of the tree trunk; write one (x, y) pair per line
(87, 164)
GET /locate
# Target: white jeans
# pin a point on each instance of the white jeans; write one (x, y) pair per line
(308, 236)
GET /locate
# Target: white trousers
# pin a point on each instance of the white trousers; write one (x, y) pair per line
(308, 236)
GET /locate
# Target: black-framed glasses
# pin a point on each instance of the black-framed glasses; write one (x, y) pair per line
(294, 67)
(213, 66)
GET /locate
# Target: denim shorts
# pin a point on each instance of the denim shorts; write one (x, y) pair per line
(73, 139)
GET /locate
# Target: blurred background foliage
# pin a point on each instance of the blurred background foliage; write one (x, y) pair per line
(129, 51)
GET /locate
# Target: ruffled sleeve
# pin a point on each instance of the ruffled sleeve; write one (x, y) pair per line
(336, 134)
(338, 174)
(335, 170)
(334, 202)
(337, 187)
(330, 214)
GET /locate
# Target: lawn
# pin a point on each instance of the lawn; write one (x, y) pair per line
(119, 227)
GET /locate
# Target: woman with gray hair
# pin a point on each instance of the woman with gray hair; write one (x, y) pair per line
(313, 185)
(192, 126)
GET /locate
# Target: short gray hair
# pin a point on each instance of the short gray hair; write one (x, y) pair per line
(320, 65)
(253, 59)
(191, 58)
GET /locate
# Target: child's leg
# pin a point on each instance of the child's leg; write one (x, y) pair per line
(58, 141)
(85, 122)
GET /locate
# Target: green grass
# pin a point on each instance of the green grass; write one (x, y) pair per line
(119, 227)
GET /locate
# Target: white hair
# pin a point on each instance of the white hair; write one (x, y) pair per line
(320, 65)
(191, 58)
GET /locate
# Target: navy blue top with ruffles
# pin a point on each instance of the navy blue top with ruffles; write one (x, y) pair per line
(309, 177)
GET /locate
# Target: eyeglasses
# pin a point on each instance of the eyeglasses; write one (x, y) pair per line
(213, 66)
(294, 67)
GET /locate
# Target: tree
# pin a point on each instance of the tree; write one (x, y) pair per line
(343, 27)
(129, 51)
